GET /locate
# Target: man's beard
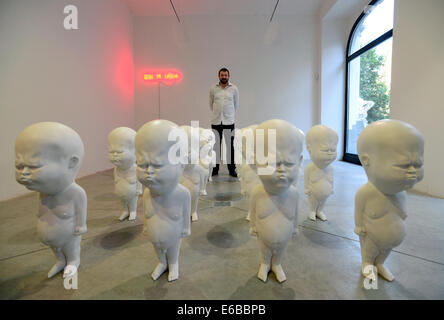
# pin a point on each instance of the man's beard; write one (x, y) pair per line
(224, 81)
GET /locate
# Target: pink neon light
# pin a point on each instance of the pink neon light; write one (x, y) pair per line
(165, 76)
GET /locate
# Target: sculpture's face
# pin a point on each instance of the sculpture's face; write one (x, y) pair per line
(323, 153)
(155, 171)
(41, 168)
(286, 170)
(397, 167)
(121, 155)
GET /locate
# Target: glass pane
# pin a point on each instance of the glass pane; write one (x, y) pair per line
(378, 20)
(369, 79)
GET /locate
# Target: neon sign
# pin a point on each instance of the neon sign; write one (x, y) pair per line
(167, 76)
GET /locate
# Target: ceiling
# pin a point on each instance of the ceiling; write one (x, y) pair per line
(223, 7)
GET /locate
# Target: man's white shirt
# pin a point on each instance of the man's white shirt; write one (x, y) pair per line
(224, 103)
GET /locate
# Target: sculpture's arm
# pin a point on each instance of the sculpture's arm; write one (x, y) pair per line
(360, 200)
(186, 214)
(80, 208)
(252, 206)
(139, 188)
(295, 218)
(307, 188)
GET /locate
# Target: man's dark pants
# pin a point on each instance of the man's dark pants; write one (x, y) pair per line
(218, 130)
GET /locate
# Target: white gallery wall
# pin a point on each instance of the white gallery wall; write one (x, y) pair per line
(336, 19)
(334, 43)
(417, 94)
(82, 78)
(273, 65)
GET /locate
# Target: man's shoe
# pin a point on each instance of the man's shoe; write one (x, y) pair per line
(233, 174)
(215, 173)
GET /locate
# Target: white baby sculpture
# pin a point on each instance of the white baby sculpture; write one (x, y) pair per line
(247, 176)
(191, 174)
(391, 153)
(48, 156)
(207, 153)
(273, 204)
(166, 203)
(122, 154)
(321, 143)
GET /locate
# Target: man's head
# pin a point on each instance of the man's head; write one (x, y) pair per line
(224, 75)
(47, 157)
(121, 150)
(392, 154)
(321, 143)
(155, 169)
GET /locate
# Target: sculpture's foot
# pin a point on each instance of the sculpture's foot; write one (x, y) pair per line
(194, 216)
(59, 266)
(248, 217)
(203, 192)
(312, 216)
(321, 216)
(280, 275)
(173, 273)
(124, 215)
(263, 272)
(158, 271)
(132, 215)
(70, 271)
(210, 179)
(384, 272)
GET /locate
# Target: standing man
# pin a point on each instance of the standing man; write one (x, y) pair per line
(224, 101)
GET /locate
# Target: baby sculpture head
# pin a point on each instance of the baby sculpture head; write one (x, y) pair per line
(48, 156)
(282, 149)
(321, 143)
(155, 169)
(121, 149)
(392, 154)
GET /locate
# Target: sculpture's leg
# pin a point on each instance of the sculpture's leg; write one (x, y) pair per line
(72, 254)
(60, 264)
(132, 206)
(313, 206)
(173, 261)
(369, 252)
(162, 265)
(265, 260)
(125, 212)
(319, 213)
(383, 270)
(276, 263)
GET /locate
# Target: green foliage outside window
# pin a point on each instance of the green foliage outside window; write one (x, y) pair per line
(372, 87)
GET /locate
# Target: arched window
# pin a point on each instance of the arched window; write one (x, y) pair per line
(368, 72)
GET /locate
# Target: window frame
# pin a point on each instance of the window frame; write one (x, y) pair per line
(350, 157)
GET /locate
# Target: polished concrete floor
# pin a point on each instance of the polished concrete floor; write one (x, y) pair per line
(220, 259)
